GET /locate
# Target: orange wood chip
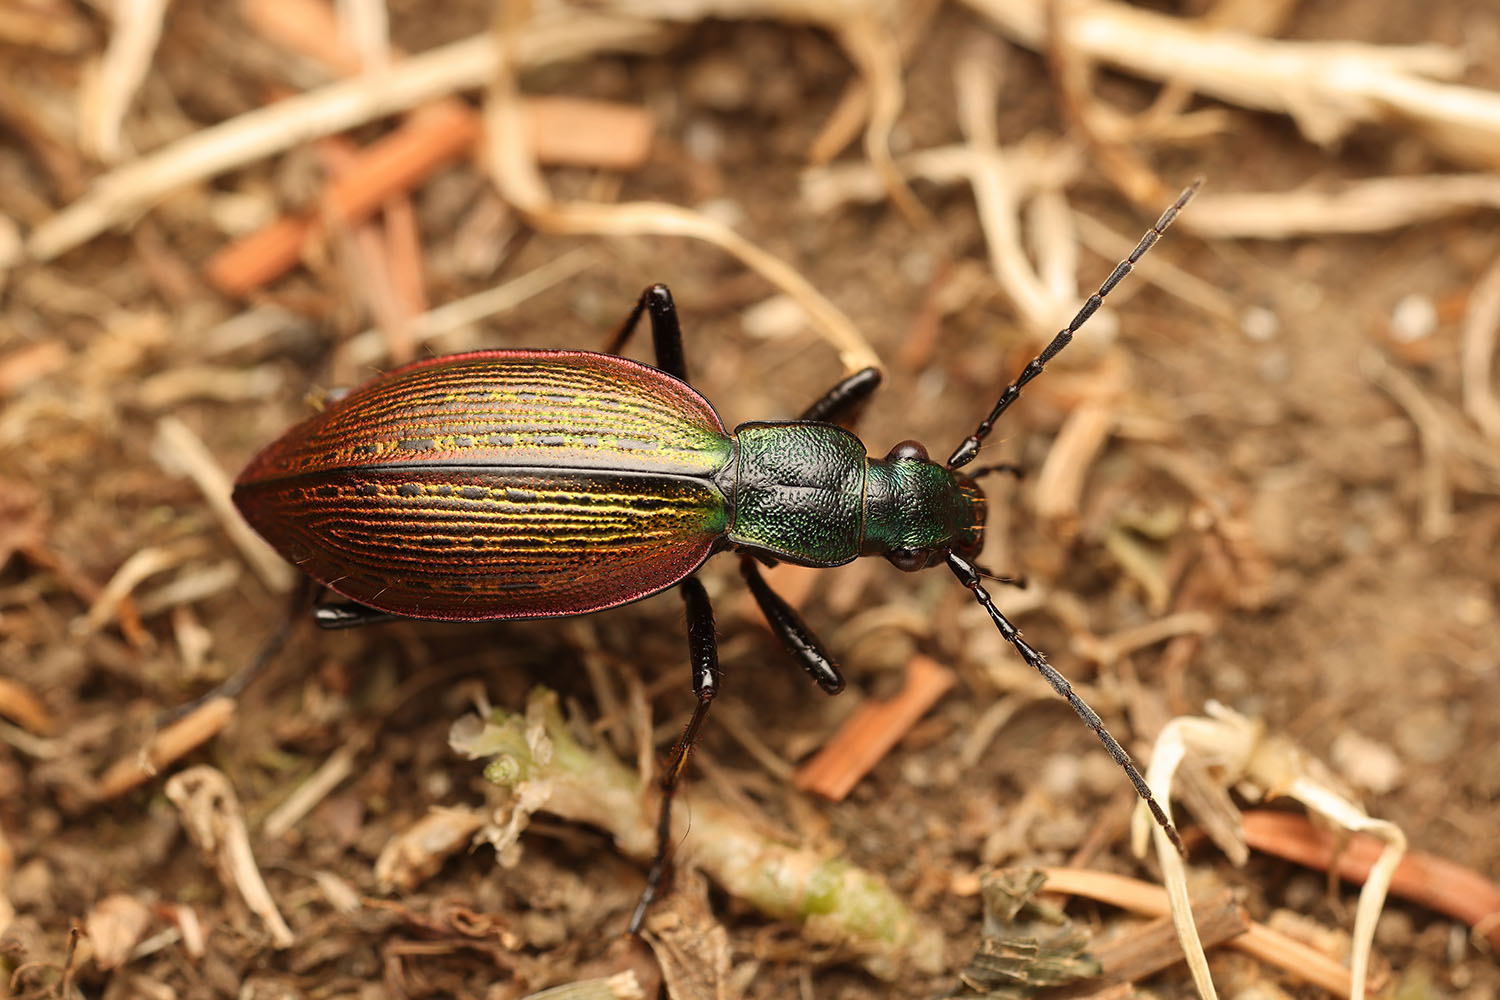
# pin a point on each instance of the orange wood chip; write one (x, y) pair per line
(873, 729)
(1432, 881)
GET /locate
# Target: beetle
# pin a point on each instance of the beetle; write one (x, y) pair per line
(506, 484)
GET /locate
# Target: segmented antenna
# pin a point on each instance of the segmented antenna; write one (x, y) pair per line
(968, 575)
(968, 450)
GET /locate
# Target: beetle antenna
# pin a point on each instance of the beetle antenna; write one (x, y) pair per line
(1006, 468)
(968, 450)
(969, 576)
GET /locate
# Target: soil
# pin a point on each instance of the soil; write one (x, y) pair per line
(1260, 468)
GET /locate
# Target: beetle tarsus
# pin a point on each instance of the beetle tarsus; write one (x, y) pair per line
(792, 630)
(348, 615)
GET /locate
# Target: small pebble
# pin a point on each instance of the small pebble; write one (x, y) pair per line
(1259, 323)
(1365, 763)
(774, 318)
(1414, 318)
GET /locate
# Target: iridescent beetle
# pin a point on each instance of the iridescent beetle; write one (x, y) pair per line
(540, 483)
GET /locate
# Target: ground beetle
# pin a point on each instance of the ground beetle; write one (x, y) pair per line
(539, 483)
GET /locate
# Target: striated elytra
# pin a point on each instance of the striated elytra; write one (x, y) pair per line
(525, 484)
(537, 484)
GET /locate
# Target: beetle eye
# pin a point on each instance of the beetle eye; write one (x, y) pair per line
(907, 450)
(909, 560)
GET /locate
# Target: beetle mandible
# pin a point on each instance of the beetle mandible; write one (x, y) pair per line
(544, 483)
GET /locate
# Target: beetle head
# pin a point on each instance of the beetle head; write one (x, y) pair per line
(917, 511)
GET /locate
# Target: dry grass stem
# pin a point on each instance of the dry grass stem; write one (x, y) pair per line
(1268, 945)
(1363, 206)
(620, 986)
(977, 82)
(1326, 87)
(368, 348)
(1246, 757)
(172, 743)
(1432, 430)
(119, 196)
(111, 87)
(1031, 165)
(1059, 485)
(1434, 882)
(1481, 330)
(181, 452)
(1110, 649)
(21, 706)
(318, 786)
(365, 27)
(132, 572)
(520, 182)
(214, 821)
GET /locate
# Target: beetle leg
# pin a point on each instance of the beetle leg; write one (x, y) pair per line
(347, 614)
(841, 404)
(792, 630)
(703, 652)
(666, 333)
(231, 687)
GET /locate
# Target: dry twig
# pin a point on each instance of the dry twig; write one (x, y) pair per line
(872, 730)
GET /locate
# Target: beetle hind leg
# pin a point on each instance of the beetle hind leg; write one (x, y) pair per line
(703, 654)
(347, 614)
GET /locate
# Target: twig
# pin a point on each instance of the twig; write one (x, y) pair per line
(1327, 87)
(214, 821)
(181, 452)
(1152, 947)
(1367, 206)
(872, 730)
(394, 164)
(170, 744)
(118, 196)
(1434, 882)
(112, 88)
(547, 769)
(1481, 326)
(368, 348)
(513, 166)
(1270, 946)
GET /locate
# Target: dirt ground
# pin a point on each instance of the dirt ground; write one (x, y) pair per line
(1281, 460)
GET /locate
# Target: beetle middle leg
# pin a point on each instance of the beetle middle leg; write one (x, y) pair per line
(703, 655)
(666, 332)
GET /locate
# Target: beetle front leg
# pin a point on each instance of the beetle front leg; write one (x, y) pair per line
(841, 404)
(703, 654)
(792, 630)
(666, 332)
